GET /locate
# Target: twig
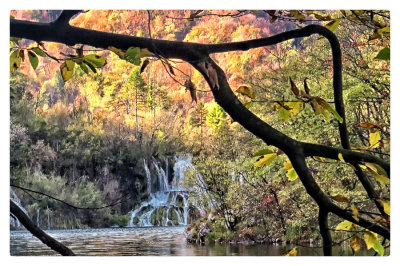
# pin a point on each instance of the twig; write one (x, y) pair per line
(118, 201)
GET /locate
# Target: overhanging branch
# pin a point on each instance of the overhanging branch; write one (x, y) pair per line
(39, 233)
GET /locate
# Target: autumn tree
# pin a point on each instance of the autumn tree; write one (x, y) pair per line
(200, 56)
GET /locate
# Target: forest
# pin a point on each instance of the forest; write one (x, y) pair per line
(240, 126)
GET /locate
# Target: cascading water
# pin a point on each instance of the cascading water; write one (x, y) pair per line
(14, 197)
(169, 205)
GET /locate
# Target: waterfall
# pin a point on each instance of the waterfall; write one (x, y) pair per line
(38, 217)
(14, 197)
(162, 177)
(148, 176)
(169, 204)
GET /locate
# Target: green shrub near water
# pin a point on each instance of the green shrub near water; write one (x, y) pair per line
(120, 220)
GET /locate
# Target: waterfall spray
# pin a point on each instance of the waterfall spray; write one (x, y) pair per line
(169, 204)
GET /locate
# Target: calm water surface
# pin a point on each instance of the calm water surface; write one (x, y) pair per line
(145, 241)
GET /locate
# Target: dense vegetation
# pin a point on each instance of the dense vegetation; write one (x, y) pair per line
(80, 134)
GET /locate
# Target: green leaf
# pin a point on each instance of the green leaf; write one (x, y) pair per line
(95, 60)
(247, 105)
(284, 114)
(132, 55)
(84, 68)
(39, 52)
(345, 225)
(292, 174)
(119, 52)
(33, 59)
(384, 31)
(67, 70)
(91, 67)
(15, 61)
(383, 54)
(14, 39)
(287, 110)
(328, 107)
(263, 152)
(264, 160)
(379, 248)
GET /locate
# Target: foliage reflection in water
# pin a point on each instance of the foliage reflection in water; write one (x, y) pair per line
(149, 241)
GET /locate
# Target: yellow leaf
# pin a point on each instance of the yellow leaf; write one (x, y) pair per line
(355, 212)
(292, 174)
(254, 12)
(322, 159)
(67, 70)
(333, 25)
(384, 31)
(287, 165)
(340, 198)
(297, 15)
(386, 206)
(377, 172)
(264, 160)
(345, 225)
(340, 156)
(370, 239)
(245, 90)
(355, 243)
(287, 110)
(15, 61)
(292, 252)
(374, 139)
(318, 109)
(362, 166)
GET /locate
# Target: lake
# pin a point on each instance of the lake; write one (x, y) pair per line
(147, 241)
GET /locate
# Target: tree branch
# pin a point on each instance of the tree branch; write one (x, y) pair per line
(39, 233)
(324, 230)
(65, 17)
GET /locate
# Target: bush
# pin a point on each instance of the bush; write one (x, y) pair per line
(120, 220)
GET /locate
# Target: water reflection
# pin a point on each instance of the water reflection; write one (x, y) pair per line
(149, 241)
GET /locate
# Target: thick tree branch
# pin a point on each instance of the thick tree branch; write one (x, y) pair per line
(324, 230)
(39, 233)
(65, 17)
